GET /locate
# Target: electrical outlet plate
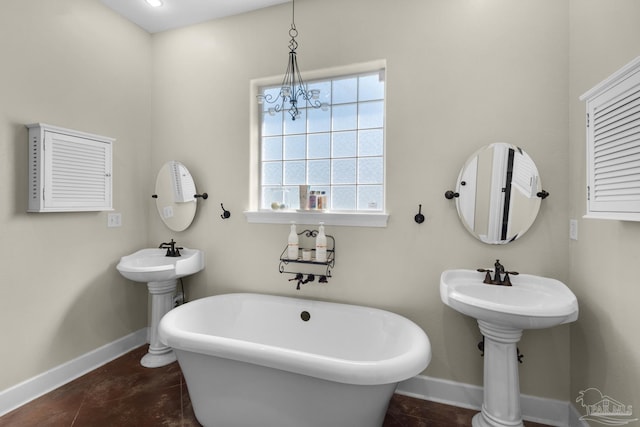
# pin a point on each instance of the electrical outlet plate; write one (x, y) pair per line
(573, 229)
(114, 220)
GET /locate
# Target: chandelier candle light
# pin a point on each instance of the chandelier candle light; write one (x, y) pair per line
(293, 88)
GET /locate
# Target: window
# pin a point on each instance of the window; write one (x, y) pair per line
(338, 150)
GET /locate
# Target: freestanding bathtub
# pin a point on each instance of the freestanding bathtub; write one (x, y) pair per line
(252, 360)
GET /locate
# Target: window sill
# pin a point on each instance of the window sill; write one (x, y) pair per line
(353, 219)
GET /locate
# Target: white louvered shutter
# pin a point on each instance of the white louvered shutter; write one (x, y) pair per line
(613, 146)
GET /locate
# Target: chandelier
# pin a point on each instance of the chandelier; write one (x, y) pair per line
(293, 90)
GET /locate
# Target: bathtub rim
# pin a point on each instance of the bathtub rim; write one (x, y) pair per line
(385, 371)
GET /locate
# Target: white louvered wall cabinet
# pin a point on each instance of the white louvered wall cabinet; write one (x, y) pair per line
(68, 170)
(613, 146)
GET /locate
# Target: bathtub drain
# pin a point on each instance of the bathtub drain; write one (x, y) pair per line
(305, 316)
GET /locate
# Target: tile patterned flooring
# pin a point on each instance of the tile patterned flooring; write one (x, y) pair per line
(124, 394)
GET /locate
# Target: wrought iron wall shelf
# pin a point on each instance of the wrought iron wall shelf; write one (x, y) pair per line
(293, 266)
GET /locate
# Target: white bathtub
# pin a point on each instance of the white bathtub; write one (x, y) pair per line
(250, 360)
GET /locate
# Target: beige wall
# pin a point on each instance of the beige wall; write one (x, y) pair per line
(74, 64)
(604, 262)
(460, 75)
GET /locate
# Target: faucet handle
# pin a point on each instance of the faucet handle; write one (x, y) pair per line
(507, 281)
(487, 277)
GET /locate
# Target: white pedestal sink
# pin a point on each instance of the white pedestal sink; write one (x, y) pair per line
(502, 313)
(161, 273)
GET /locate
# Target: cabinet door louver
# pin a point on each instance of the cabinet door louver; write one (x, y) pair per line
(613, 146)
(69, 170)
(79, 176)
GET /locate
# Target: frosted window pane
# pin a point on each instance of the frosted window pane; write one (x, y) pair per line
(343, 198)
(272, 148)
(370, 143)
(272, 173)
(299, 125)
(291, 196)
(371, 115)
(319, 146)
(370, 197)
(344, 144)
(345, 117)
(344, 171)
(294, 147)
(319, 120)
(345, 90)
(319, 172)
(271, 125)
(371, 87)
(370, 170)
(294, 173)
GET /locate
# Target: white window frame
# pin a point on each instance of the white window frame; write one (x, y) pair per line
(342, 218)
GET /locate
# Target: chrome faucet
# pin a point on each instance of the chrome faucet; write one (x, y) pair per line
(172, 250)
(498, 271)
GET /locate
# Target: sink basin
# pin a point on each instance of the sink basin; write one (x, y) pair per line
(152, 265)
(533, 302)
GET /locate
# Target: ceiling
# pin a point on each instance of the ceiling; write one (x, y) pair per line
(180, 13)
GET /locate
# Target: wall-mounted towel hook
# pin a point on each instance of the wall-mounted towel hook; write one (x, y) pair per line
(204, 196)
(225, 213)
(419, 218)
(543, 194)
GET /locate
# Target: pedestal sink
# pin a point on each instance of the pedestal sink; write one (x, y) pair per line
(503, 312)
(161, 273)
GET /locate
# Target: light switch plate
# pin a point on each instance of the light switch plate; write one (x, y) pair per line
(114, 220)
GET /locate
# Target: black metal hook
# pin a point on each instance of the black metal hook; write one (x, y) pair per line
(419, 218)
(543, 194)
(225, 213)
(204, 196)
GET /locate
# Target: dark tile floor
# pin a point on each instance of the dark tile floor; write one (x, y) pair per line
(122, 393)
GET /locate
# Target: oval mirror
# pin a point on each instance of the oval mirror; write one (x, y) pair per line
(175, 196)
(498, 193)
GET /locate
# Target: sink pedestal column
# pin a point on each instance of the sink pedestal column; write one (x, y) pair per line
(501, 407)
(161, 303)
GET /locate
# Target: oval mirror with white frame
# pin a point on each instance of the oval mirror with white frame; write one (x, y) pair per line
(175, 196)
(498, 193)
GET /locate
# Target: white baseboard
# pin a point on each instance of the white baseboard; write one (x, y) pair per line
(537, 409)
(32, 388)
